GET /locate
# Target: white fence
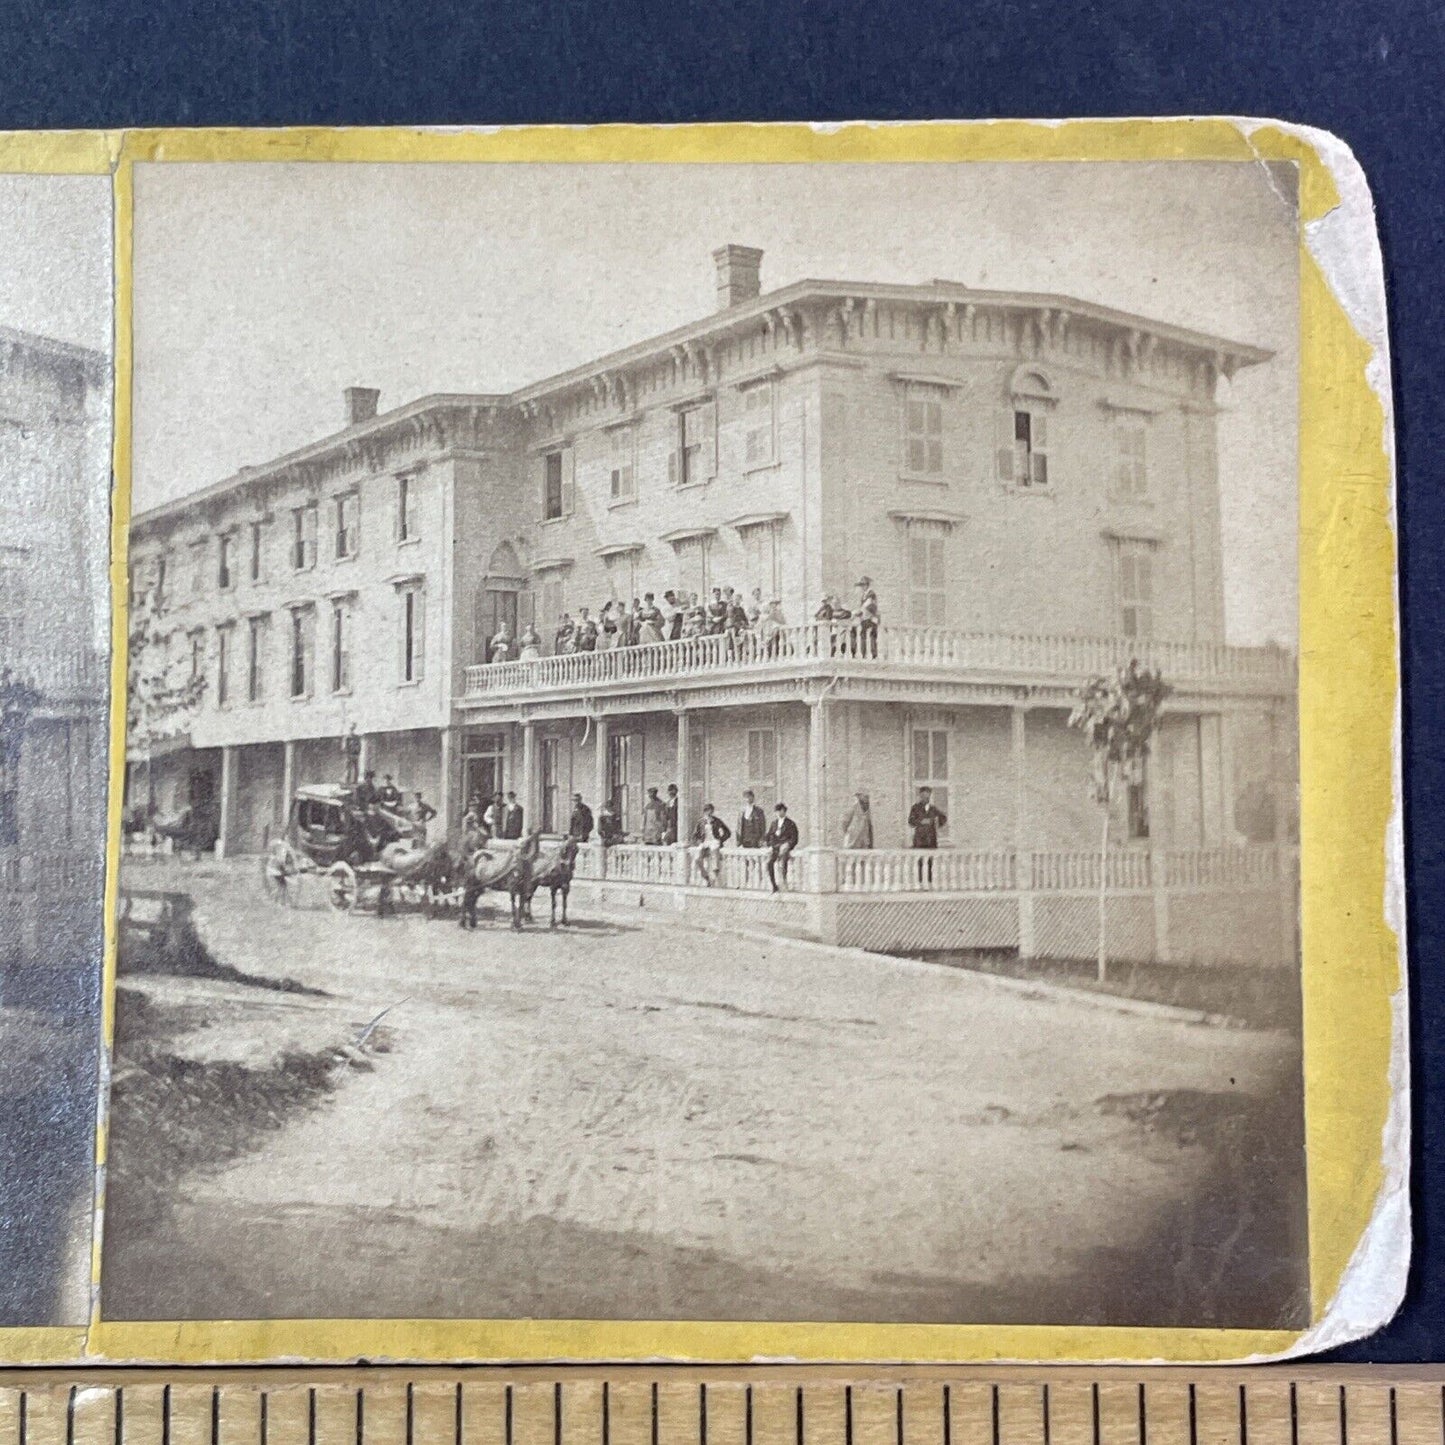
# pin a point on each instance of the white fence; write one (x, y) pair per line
(949, 870)
(896, 647)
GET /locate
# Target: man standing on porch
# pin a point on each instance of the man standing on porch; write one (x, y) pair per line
(351, 750)
(782, 838)
(580, 826)
(858, 825)
(512, 817)
(672, 834)
(752, 823)
(925, 820)
(654, 819)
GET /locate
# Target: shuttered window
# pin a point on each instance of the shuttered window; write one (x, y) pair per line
(1131, 476)
(923, 430)
(557, 484)
(624, 471)
(1022, 447)
(693, 460)
(1134, 565)
(930, 763)
(927, 579)
(760, 424)
(412, 641)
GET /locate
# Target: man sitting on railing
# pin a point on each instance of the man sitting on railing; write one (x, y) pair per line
(708, 839)
(781, 839)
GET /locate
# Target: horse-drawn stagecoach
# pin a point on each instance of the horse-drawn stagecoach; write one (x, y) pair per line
(374, 860)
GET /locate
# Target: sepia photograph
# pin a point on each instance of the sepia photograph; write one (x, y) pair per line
(704, 742)
(55, 410)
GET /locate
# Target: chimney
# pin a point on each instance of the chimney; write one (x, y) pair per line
(360, 404)
(737, 274)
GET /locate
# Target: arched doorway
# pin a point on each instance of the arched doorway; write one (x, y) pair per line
(497, 599)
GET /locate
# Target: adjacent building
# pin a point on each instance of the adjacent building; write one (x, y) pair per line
(1029, 481)
(54, 436)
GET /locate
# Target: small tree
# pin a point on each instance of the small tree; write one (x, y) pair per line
(1118, 716)
(161, 687)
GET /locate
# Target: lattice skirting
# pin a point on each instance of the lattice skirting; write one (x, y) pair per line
(910, 925)
(1067, 926)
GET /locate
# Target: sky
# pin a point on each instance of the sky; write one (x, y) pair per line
(261, 291)
(55, 250)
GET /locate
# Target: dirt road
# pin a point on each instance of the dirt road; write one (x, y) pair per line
(642, 1120)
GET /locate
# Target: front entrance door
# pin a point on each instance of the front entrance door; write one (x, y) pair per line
(624, 781)
(481, 767)
(551, 803)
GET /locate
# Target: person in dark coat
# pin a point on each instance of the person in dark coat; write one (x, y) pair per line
(782, 839)
(512, 817)
(366, 793)
(580, 826)
(925, 820)
(707, 843)
(389, 795)
(752, 823)
(672, 833)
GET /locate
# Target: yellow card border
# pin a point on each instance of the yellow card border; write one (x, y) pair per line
(1348, 629)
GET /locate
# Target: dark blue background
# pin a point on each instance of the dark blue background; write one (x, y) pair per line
(1372, 73)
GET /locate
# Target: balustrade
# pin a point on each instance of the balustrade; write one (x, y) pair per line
(841, 644)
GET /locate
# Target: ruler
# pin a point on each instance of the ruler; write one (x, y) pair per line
(681, 1405)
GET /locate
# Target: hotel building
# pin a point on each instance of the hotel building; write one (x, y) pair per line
(1030, 481)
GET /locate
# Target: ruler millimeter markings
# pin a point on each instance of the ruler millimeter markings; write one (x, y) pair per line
(727, 1406)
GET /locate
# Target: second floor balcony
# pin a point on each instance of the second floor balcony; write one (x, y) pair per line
(824, 649)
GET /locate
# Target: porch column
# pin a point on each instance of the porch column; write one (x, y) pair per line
(818, 771)
(600, 793)
(288, 783)
(684, 771)
(529, 775)
(444, 782)
(363, 761)
(229, 803)
(1023, 837)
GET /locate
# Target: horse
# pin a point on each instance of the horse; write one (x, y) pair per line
(520, 881)
(485, 868)
(555, 875)
(428, 867)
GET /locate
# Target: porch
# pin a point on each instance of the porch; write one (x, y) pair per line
(827, 650)
(1226, 905)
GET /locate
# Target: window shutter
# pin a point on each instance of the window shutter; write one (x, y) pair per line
(1040, 450)
(542, 487)
(709, 439)
(1004, 445)
(569, 478)
(418, 635)
(674, 466)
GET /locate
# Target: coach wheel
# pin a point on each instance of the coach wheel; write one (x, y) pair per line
(278, 870)
(341, 887)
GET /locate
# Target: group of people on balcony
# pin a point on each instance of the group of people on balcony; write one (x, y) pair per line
(749, 625)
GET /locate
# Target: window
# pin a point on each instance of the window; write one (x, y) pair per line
(256, 658)
(554, 492)
(624, 779)
(695, 459)
(198, 654)
(930, 764)
(694, 565)
(1135, 571)
(405, 511)
(927, 580)
(1023, 447)
(551, 819)
(341, 645)
(348, 525)
(198, 567)
(226, 562)
(923, 430)
(161, 580)
(303, 537)
(413, 633)
(258, 536)
(303, 646)
(1131, 477)
(764, 564)
(551, 603)
(763, 761)
(624, 471)
(223, 665)
(760, 425)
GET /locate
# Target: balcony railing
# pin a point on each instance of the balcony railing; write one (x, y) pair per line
(951, 870)
(821, 647)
